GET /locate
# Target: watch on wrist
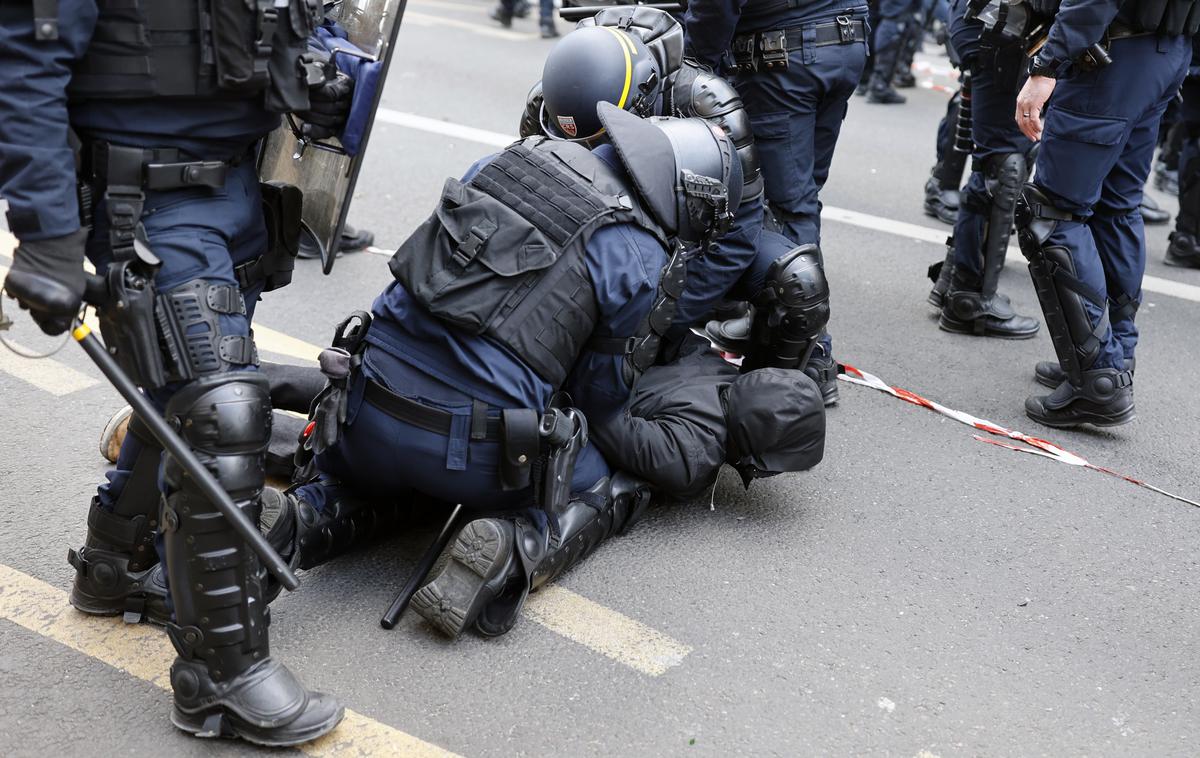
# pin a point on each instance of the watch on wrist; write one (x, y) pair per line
(1039, 67)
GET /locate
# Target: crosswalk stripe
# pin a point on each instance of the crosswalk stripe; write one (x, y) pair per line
(605, 631)
(144, 652)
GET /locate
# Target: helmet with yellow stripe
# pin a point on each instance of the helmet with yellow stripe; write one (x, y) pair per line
(593, 65)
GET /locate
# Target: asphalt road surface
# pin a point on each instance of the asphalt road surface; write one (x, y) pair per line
(918, 593)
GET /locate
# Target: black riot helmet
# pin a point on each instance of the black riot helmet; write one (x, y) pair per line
(592, 65)
(686, 170)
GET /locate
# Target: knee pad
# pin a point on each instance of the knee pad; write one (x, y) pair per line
(226, 419)
(793, 308)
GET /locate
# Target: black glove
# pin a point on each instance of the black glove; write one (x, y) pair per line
(329, 107)
(47, 279)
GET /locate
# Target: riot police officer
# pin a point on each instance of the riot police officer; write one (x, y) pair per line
(549, 267)
(1079, 224)
(744, 263)
(165, 119)
(999, 167)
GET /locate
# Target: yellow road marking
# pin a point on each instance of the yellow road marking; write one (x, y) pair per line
(144, 652)
(271, 341)
(605, 631)
(45, 374)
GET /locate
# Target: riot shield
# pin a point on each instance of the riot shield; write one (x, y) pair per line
(326, 170)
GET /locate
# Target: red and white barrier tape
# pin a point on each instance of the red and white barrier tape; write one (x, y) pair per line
(1035, 445)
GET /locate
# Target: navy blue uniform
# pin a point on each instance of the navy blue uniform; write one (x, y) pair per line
(416, 355)
(796, 113)
(993, 130)
(1098, 142)
(198, 233)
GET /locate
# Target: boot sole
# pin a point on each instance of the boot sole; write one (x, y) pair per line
(232, 728)
(454, 598)
(935, 211)
(110, 447)
(1046, 381)
(1095, 420)
(969, 330)
(1178, 262)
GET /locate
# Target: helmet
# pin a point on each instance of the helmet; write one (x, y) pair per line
(592, 65)
(685, 170)
(660, 31)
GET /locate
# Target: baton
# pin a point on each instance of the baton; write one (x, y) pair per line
(175, 445)
(578, 13)
(392, 615)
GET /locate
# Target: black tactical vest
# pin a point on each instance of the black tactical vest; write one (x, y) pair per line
(209, 49)
(504, 254)
(1167, 17)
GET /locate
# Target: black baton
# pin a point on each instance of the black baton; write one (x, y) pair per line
(175, 445)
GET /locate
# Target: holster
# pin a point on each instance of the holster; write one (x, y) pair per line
(283, 205)
(564, 433)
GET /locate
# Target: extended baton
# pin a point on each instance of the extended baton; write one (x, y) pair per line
(579, 13)
(175, 445)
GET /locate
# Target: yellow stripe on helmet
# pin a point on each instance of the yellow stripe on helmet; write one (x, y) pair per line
(628, 50)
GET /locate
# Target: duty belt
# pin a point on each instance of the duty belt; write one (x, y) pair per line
(771, 47)
(161, 168)
(483, 427)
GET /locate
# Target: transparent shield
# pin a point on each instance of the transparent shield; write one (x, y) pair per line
(323, 170)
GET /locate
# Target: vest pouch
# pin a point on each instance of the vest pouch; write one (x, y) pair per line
(474, 261)
(242, 33)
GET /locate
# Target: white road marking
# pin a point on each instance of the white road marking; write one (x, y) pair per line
(443, 128)
(426, 19)
(1154, 284)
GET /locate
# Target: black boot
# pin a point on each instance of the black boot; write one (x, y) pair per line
(496, 562)
(225, 682)
(1104, 397)
(968, 311)
(1183, 251)
(941, 201)
(1050, 373)
(940, 274)
(114, 570)
(880, 90)
(346, 522)
(972, 304)
(483, 562)
(731, 336)
(1100, 396)
(1184, 248)
(823, 369)
(501, 14)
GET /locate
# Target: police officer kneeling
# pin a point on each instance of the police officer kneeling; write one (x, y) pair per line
(520, 284)
(1079, 223)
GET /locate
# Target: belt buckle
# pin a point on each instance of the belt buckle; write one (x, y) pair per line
(743, 53)
(846, 31)
(773, 46)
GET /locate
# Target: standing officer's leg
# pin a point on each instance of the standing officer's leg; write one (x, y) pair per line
(1184, 249)
(1095, 127)
(224, 679)
(1117, 227)
(895, 16)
